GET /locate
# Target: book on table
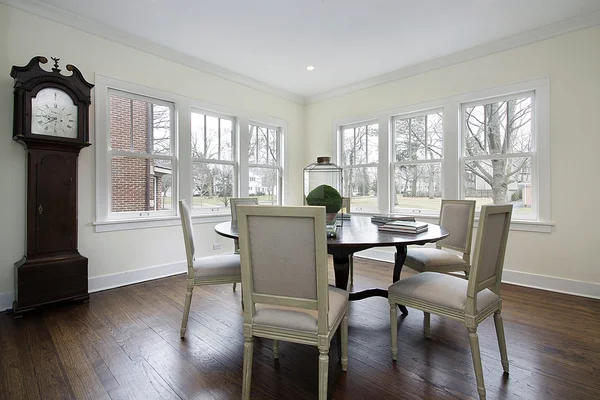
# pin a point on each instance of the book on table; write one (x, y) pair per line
(385, 218)
(404, 227)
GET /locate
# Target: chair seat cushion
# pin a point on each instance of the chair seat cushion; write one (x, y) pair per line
(222, 265)
(427, 259)
(441, 290)
(298, 319)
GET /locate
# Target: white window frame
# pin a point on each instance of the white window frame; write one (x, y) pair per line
(183, 107)
(104, 154)
(235, 162)
(278, 167)
(340, 153)
(394, 163)
(452, 147)
(533, 216)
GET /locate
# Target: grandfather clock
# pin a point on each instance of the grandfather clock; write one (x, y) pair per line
(51, 120)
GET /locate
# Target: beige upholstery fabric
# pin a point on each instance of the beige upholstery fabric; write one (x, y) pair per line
(217, 266)
(421, 259)
(455, 217)
(300, 319)
(441, 289)
(290, 270)
(491, 245)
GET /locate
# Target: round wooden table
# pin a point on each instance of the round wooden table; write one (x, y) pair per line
(357, 234)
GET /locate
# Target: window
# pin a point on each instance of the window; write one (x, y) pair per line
(214, 165)
(492, 146)
(142, 157)
(148, 141)
(417, 162)
(264, 165)
(498, 153)
(360, 157)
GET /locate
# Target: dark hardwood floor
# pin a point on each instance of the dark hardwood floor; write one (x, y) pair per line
(125, 344)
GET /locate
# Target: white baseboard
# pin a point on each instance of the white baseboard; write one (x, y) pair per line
(544, 282)
(103, 282)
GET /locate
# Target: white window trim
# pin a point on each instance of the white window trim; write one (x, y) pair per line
(452, 146)
(183, 107)
(338, 157)
(395, 163)
(234, 163)
(124, 153)
(280, 156)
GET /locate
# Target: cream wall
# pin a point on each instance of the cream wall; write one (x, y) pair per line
(572, 62)
(114, 252)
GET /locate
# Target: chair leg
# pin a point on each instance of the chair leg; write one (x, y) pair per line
(501, 340)
(474, 342)
(247, 373)
(275, 349)
(186, 309)
(427, 324)
(394, 327)
(323, 371)
(345, 342)
(234, 285)
(351, 265)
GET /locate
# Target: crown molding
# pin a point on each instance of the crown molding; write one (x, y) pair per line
(75, 21)
(522, 39)
(113, 34)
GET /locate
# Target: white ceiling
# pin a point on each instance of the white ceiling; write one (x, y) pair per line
(272, 41)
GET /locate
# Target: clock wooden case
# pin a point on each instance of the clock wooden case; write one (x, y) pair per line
(51, 120)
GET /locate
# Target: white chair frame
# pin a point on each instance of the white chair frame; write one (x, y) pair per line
(323, 336)
(470, 317)
(188, 238)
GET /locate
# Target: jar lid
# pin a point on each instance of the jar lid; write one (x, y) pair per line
(324, 160)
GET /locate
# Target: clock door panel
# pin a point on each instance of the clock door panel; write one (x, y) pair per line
(55, 198)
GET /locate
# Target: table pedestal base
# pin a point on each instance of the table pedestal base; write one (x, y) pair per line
(342, 270)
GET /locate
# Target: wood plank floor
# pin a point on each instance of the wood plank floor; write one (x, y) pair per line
(125, 344)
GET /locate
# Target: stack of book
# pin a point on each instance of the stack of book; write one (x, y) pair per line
(404, 227)
(385, 218)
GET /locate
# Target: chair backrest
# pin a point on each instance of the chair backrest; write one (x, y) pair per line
(283, 255)
(457, 217)
(188, 235)
(236, 201)
(490, 247)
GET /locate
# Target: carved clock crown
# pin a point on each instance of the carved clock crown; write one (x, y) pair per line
(29, 80)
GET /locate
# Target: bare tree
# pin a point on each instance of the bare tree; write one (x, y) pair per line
(497, 129)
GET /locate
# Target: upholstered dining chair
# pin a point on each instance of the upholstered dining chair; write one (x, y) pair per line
(457, 217)
(285, 279)
(233, 203)
(469, 301)
(210, 270)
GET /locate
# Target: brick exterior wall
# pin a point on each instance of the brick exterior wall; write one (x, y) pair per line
(133, 179)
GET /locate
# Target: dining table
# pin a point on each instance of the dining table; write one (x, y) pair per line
(356, 234)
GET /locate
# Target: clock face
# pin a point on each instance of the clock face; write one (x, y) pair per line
(53, 113)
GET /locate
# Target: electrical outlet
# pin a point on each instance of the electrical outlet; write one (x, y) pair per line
(217, 246)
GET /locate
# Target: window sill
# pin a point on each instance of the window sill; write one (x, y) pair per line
(131, 224)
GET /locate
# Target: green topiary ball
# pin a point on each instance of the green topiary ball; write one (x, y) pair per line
(327, 196)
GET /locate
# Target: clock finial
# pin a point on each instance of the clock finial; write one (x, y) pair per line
(55, 68)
